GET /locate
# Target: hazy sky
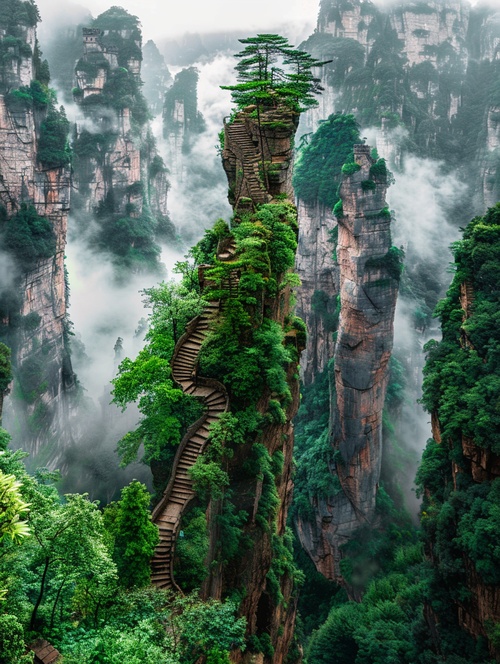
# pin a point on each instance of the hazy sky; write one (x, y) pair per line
(161, 18)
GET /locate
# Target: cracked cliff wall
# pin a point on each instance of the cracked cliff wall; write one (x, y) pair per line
(33, 299)
(369, 274)
(319, 274)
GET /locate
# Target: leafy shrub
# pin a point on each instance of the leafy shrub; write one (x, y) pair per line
(392, 262)
(350, 168)
(53, 146)
(29, 237)
(338, 209)
(368, 185)
(379, 171)
(317, 172)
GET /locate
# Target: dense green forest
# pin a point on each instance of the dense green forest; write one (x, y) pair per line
(414, 589)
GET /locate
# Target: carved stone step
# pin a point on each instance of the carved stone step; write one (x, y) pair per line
(192, 343)
(215, 400)
(186, 353)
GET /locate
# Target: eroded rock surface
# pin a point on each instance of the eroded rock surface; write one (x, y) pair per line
(34, 300)
(368, 292)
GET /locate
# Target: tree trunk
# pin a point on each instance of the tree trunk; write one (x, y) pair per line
(40, 594)
(58, 594)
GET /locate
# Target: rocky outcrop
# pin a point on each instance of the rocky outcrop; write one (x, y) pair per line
(258, 156)
(182, 121)
(119, 177)
(33, 301)
(18, 65)
(427, 26)
(369, 274)
(115, 167)
(432, 60)
(317, 296)
(156, 76)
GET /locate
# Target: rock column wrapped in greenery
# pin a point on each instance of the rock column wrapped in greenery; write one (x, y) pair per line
(252, 347)
(370, 269)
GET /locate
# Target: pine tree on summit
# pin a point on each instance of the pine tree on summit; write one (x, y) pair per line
(272, 72)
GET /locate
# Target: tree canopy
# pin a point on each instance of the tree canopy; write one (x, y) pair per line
(272, 72)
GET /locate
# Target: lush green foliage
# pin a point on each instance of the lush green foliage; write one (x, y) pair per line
(154, 627)
(61, 581)
(64, 552)
(135, 536)
(5, 368)
(462, 375)
(19, 12)
(266, 243)
(461, 387)
(117, 19)
(28, 236)
(391, 262)
(35, 96)
(166, 410)
(266, 84)
(318, 169)
(191, 550)
(121, 89)
(129, 238)
(12, 507)
(53, 146)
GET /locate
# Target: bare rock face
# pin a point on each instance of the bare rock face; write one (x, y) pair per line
(40, 353)
(441, 50)
(368, 292)
(182, 122)
(319, 276)
(17, 65)
(423, 28)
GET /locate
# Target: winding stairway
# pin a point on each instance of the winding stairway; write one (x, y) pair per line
(168, 513)
(249, 158)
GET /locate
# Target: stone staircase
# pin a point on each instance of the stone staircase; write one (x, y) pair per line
(249, 157)
(179, 492)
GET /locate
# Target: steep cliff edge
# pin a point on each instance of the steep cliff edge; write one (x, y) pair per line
(317, 295)
(460, 471)
(369, 273)
(316, 178)
(34, 196)
(182, 121)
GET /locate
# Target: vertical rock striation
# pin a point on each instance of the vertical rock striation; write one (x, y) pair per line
(33, 188)
(182, 121)
(428, 67)
(369, 274)
(319, 277)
